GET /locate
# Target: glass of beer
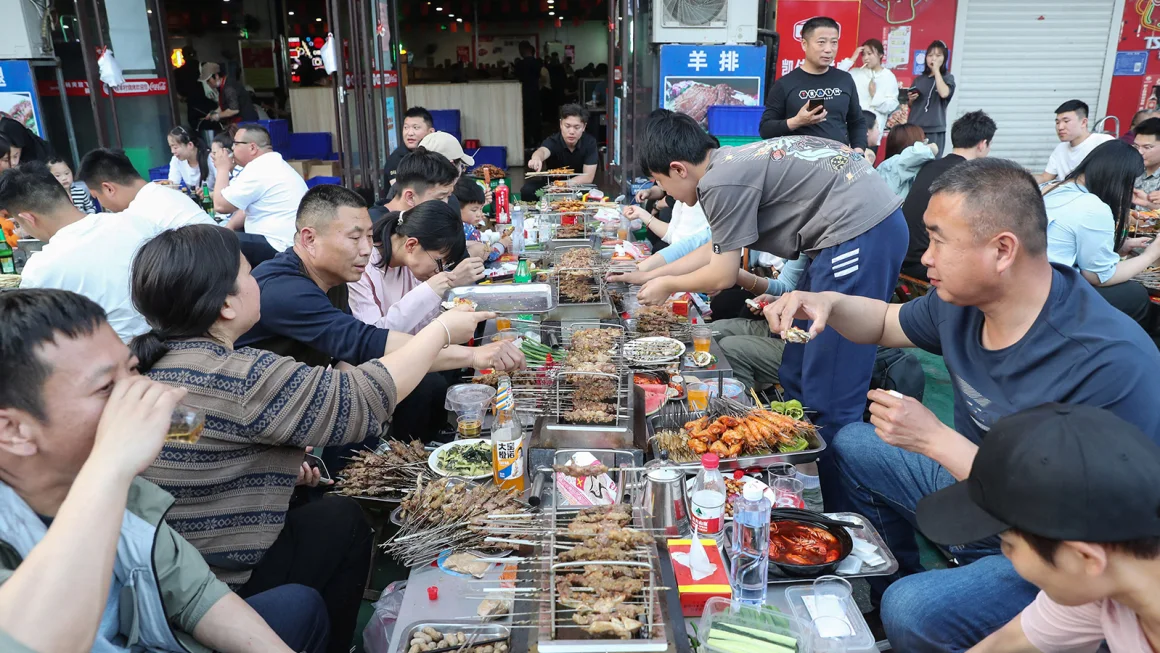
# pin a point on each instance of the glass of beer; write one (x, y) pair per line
(698, 395)
(185, 425)
(502, 322)
(702, 335)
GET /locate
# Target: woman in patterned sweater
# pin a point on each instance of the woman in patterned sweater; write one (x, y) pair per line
(233, 487)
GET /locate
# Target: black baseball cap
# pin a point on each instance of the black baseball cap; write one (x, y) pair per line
(1062, 472)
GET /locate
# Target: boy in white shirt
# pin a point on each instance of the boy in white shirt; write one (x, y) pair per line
(88, 254)
(119, 188)
(1071, 125)
(1071, 490)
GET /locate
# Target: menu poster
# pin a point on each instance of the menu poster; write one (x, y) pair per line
(18, 98)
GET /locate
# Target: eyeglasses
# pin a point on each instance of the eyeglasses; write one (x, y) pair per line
(439, 265)
(244, 143)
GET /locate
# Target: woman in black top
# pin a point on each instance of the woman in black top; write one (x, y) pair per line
(930, 95)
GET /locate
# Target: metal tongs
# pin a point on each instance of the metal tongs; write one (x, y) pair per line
(798, 514)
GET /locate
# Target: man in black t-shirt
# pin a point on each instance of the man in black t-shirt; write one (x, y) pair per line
(836, 114)
(971, 139)
(572, 147)
(417, 123)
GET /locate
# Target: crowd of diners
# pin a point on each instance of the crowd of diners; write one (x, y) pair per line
(312, 319)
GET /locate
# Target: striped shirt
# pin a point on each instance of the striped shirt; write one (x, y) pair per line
(79, 194)
(233, 487)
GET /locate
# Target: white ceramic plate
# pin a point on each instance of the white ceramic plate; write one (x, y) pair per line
(654, 349)
(433, 459)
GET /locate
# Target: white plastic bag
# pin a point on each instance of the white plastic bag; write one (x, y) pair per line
(377, 634)
(329, 62)
(110, 70)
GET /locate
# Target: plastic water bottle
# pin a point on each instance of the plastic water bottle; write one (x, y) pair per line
(708, 499)
(749, 573)
(518, 232)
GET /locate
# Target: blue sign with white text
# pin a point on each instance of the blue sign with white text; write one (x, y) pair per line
(18, 98)
(1131, 63)
(695, 77)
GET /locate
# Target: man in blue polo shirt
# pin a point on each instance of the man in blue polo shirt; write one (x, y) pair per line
(1015, 332)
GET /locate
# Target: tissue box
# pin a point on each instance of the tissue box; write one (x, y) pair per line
(696, 593)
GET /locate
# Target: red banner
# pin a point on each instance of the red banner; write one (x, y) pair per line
(1136, 87)
(382, 79)
(80, 87)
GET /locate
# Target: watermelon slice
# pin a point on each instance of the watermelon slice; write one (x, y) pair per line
(654, 398)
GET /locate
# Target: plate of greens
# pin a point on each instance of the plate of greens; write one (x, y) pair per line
(466, 458)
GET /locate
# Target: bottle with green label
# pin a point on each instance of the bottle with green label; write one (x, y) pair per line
(7, 258)
(523, 272)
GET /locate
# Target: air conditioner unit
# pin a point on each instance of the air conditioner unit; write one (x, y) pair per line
(705, 21)
(25, 32)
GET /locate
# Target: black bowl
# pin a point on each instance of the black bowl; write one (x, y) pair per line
(812, 571)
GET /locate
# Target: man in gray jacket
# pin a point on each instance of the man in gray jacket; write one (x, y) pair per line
(77, 424)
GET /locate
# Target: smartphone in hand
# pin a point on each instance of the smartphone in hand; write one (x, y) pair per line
(815, 103)
(316, 463)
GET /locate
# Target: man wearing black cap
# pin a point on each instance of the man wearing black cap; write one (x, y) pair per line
(1071, 491)
(1015, 332)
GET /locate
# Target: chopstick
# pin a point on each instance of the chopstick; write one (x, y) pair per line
(468, 644)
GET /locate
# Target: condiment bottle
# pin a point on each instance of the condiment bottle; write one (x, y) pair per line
(507, 447)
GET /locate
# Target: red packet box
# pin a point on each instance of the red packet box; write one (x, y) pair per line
(696, 593)
(680, 305)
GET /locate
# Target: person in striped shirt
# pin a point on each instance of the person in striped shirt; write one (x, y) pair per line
(77, 192)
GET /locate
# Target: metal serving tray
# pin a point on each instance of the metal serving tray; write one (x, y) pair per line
(521, 298)
(470, 628)
(808, 455)
(867, 532)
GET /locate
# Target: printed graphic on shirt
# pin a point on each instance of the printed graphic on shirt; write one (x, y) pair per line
(826, 153)
(819, 93)
(978, 406)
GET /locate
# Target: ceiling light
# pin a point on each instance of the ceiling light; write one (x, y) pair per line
(438, 8)
(225, 22)
(148, 11)
(551, 13)
(318, 20)
(459, 20)
(291, 13)
(451, 15)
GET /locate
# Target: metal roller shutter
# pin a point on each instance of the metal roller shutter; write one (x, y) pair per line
(1020, 59)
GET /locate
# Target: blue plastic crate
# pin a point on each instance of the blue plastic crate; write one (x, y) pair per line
(279, 134)
(311, 145)
(447, 120)
(496, 155)
(318, 181)
(160, 173)
(734, 121)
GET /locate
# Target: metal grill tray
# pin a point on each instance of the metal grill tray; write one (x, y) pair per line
(867, 532)
(817, 446)
(481, 631)
(521, 298)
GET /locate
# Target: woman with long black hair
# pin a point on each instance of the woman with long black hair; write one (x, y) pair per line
(412, 267)
(233, 486)
(931, 93)
(190, 161)
(1087, 226)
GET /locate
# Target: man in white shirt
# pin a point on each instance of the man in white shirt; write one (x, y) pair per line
(267, 189)
(88, 254)
(1071, 124)
(117, 185)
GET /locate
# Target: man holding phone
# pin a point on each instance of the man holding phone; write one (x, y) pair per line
(817, 99)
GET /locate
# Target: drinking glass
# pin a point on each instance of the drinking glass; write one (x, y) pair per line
(780, 470)
(698, 396)
(702, 336)
(503, 322)
(787, 492)
(185, 425)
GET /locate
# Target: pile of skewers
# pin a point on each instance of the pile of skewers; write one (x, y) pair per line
(595, 397)
(577, 276)
(447, 513)
(390, 474)
(656, 321)
(605, 597)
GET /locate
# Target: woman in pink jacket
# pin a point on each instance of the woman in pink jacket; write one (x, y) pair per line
(413, 266)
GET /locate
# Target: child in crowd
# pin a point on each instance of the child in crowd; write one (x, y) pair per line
(471, 200)
(873, 133)
(77, 191)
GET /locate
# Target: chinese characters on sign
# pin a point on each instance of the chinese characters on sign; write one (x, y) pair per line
(18, 97)
(695, 77)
